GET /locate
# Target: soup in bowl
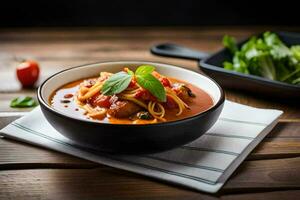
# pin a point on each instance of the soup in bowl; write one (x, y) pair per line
(130, 107)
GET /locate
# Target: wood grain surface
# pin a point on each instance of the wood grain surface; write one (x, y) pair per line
(271, 171)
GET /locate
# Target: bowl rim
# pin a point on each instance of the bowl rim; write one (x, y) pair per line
(46, 105)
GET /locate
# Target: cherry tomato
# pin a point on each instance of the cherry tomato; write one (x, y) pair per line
(28, 73)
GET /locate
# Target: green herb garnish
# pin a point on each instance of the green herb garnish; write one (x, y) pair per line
(144, 69)
(120, 81)
(130, 72)
(265, 56)
(144, 115)
(146, 80)
(23, 102)
(116, 83)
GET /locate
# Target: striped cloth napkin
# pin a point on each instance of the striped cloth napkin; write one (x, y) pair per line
(205, 164)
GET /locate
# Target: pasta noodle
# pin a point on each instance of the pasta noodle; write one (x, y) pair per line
(98, 114)
(156, 114)
(130, 98)
(132, 94)
(91, 92)
(180, 103)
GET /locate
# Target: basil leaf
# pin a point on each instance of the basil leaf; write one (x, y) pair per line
(144, 69)
(116, 83)
(153, 85)
(23, 102)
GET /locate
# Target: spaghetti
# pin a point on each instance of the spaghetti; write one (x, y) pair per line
(132, 100)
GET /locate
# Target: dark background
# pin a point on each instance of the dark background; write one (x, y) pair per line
(148, 13)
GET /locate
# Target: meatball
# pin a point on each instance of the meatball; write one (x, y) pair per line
(123, 109)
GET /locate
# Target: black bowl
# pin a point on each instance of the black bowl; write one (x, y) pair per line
(130, 139)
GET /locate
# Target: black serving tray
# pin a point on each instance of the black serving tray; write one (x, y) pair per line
(212, 66)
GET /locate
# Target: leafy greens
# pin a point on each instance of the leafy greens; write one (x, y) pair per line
(265, 56)
(23, 102)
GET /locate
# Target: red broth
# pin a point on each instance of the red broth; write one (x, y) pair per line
(58, 101)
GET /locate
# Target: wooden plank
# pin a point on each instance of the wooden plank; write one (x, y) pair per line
(252, 176)
(60, 53)
(84, 184)
(285, 130)
(16, 155)
(133, 32)
(109, 40)
(276, 149)
(274, 195)
(265, 174)
(58, 63)
(282, 142)
(141, 32)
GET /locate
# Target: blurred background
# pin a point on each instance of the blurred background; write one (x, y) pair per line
(147, 13)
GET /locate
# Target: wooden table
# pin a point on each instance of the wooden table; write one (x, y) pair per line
(271, 171)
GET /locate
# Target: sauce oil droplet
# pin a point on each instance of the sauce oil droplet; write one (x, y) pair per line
(68, 96)
(65, 101)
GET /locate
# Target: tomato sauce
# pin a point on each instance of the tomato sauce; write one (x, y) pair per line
(198, 104)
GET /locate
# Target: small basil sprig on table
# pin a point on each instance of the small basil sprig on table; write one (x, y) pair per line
(23, 102)
(120, 81)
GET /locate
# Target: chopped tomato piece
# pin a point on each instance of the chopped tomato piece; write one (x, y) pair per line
(165, 82)
(101, 101)
(170, 103)
(145, 95)
(140, 93)
(132, 83)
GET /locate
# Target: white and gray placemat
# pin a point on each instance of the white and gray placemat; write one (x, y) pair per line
(204, 164)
